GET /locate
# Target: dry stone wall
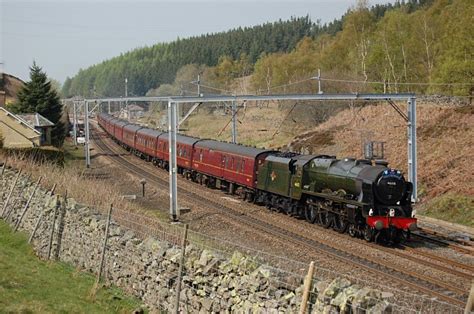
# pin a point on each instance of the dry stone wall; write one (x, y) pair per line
(148, 268)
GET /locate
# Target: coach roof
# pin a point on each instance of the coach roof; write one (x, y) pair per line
(120, 123)
(149, 132)
(132, 127)
(231, 148)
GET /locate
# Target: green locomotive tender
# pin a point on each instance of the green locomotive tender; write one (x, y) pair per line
(350, 195)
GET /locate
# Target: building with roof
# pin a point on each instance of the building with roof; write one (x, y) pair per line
(132, 111)
(40, 124)
(16, 132)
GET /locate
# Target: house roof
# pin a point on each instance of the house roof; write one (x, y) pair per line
(19, 119)
(36, 120)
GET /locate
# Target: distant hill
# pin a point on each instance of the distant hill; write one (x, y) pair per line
(11, 85)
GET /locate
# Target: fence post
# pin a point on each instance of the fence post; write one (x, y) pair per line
(40, 217)
(307, 287)
(51, 235)
(104, 247)
(12, 209)
(181, 264)
(27, 205)
(470, 300)
(10, 193)
(61, 214)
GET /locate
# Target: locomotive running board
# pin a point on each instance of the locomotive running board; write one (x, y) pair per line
(334, 198)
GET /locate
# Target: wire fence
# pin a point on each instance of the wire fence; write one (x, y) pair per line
(217, 275)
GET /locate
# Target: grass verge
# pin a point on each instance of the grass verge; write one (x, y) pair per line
(29, 285)
(73, 155)
(451, 207)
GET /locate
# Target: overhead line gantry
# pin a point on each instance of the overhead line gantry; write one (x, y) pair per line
(174, 101)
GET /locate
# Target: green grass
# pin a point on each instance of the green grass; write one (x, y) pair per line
(73, 155)
(29, 285)
(451, 207)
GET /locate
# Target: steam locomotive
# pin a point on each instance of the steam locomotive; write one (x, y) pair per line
(349, 195)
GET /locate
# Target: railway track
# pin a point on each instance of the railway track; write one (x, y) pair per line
(434, 237)
(430, 286)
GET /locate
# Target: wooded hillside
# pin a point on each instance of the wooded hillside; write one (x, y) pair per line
(421, 46)
(429, 50)
(150, 67)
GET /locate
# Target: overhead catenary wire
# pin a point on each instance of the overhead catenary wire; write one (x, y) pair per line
(386, 83)
(212, 87)
(284, 119)
(390, 83)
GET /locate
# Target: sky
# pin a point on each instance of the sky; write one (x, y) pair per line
(65, 36)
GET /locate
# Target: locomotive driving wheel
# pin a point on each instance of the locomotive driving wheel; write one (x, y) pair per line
(340, 223)
(325, 218)
(352, 230)
(368, 234)
(311, 213)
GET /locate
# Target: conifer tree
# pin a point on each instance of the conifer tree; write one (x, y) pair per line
(37, 95)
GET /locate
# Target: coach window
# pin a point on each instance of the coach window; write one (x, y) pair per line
(200, 155)
(237, 167)
(232, 163)
(243, 164)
